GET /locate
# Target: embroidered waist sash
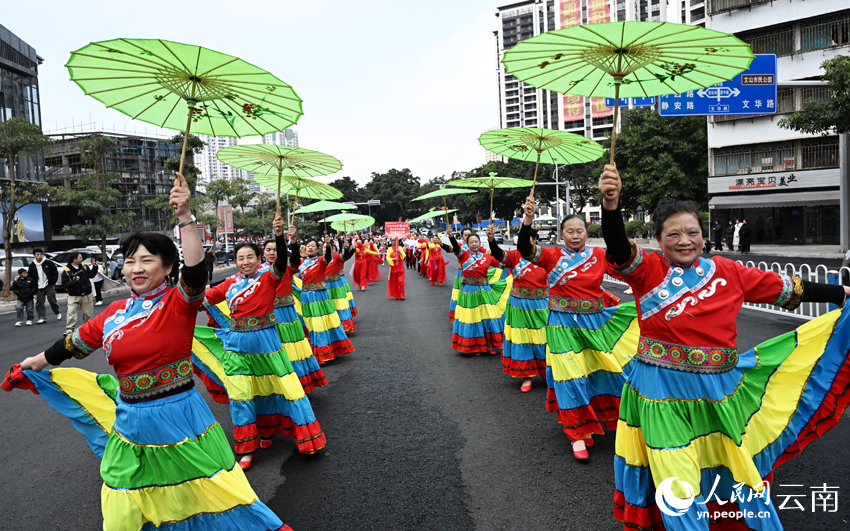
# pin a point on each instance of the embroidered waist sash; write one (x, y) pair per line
(286, 300)
(249, 324)
(566, 304)
(710, 360)
(475, 281)
(314, 286)
(333, 278)
(529, 293)
(157, 383)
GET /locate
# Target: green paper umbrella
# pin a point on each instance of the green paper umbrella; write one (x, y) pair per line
(150, 80)
(283, 161)
(492, 182)
(434, 214)
(298, 186)
(352, 223)
(323, 206)
(443, 192)
(548, 145)
(628, 59)
(344, 216)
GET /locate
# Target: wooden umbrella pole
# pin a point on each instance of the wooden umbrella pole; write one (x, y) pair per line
(617, 82)
(324, 215)
(279, 174)
(295, 205)
(186, 138)
(534, 183)
(492, 189)
(446, 208)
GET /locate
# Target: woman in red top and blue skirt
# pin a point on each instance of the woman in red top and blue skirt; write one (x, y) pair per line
(289, 324)
(335, 280)
(524, 353)
(326, 333)
(589, 346)
(166, 463)
(700, 424)
(477, 328)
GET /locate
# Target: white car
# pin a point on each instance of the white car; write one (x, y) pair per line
(23, 260)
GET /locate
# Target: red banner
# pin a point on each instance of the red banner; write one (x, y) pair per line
(573, 108)
(598, 109)
(396, 229)
(225, 219)
(598, 11)
(570, 13)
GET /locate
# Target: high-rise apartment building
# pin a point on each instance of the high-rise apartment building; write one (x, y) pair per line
(211, 168)
(289, 138)
(785, 183)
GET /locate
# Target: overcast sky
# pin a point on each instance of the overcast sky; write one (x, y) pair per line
(385, 83)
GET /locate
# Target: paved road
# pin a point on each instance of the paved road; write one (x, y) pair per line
(419, 437)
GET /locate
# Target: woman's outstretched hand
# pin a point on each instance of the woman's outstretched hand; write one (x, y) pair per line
(34, 363)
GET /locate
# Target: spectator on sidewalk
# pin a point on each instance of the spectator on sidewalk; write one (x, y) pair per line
(746, 236)
(76, 278)
(45, 274)
(24, 287)
(718, 236)
(209, 261)
(730, 236)
(97, 280)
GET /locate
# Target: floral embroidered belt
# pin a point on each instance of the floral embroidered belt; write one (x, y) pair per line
(475, 281)
(249, 324)
(286, 300)
(566, 304)
(529, 293)
(709, 360)
(333, 278)
(163, 381)
(313, 286)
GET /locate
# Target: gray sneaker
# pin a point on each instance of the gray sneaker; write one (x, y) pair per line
(58, 316)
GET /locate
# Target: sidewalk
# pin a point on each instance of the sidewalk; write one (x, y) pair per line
(788, 251)
(118, 289)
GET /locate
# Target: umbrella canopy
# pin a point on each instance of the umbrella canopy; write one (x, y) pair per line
(547, 145)
(348, 225)
(283, 161)
(443, 192)
(324, 206)
(344, 216)
(433, 214)
(299, 187)
(628, 59)
(492, 182)
(151, 79)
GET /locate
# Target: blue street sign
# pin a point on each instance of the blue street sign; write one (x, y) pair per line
(636, 102)
(750, 92)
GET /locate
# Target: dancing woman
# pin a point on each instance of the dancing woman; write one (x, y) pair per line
(695, 409)
(289, 326)
(245, 357)
(464, 234)
(373, 259)
(589, 346)
(436, 261)
(524, 353)
(335, 280)
(326, 333)
(476, 328)
(360, 273)
(395, 259)
(166, 463)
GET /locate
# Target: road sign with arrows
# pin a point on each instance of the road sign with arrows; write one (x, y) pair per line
(751, 92)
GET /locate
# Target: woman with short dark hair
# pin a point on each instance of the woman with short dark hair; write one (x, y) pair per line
(694, 409)
(166, 463)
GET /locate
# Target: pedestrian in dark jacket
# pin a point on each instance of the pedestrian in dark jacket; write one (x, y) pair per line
(45, 274)
(730, 235)
(745, 235)
(24, 287)
(718, 236)
(76, 278)
(209, 261)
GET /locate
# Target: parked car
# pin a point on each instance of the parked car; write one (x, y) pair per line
(544, 235)
(24, 260)
(65, 256)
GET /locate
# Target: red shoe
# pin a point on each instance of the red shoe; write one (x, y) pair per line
(265, 443)
(432, 283)
(588, 441)
(526, 385)
(246, 461)
(580, 451)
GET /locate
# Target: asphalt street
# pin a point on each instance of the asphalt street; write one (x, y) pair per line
(419, 437)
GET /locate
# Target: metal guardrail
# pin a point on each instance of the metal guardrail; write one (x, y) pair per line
(807, 310)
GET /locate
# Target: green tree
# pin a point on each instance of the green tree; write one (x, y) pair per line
(660, 158)
(17, 137)
(833, 114)
(93, 195)
(218, 191)
(349, 188)
(395, 189)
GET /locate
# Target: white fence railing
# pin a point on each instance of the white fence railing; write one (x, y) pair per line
(806, 310)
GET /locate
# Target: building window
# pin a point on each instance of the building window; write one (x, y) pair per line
(825, 32)
(530, 123)
(528, 90)
(819, 152)
(574, 124)
(743, 160)
(530, 98)
(776, 39)
(513, 124)
(511, 101)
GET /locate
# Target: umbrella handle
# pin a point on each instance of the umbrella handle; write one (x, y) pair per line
(279, 173)
(295, 206)
(534, 183)
(446, 208)
(185, 141)
(617, 82)
(491, 204)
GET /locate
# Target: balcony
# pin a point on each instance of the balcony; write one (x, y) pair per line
(778, 40)
(825, 32)
(721, 6)
(787, 102)
(695, 3)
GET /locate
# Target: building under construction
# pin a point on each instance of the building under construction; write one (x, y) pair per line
(139, 160)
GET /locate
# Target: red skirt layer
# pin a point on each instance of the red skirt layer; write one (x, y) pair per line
(582, 422)
(437, 271)
(525, 369)
(478, 345)
(329, 352)
(395, 286)
(361, 273)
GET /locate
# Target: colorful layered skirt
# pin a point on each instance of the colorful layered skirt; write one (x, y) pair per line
(327, 337)
(251, 371)
(166, 463)
(349, 296)
(296, 295)
(726, 428)
(477, 328)
(524, 353)
(298, 349)
(500, 291)
(339, 296)
(455, 293)
(587, 359)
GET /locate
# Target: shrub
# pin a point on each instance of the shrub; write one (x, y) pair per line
(634, 228)
(594, 230)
